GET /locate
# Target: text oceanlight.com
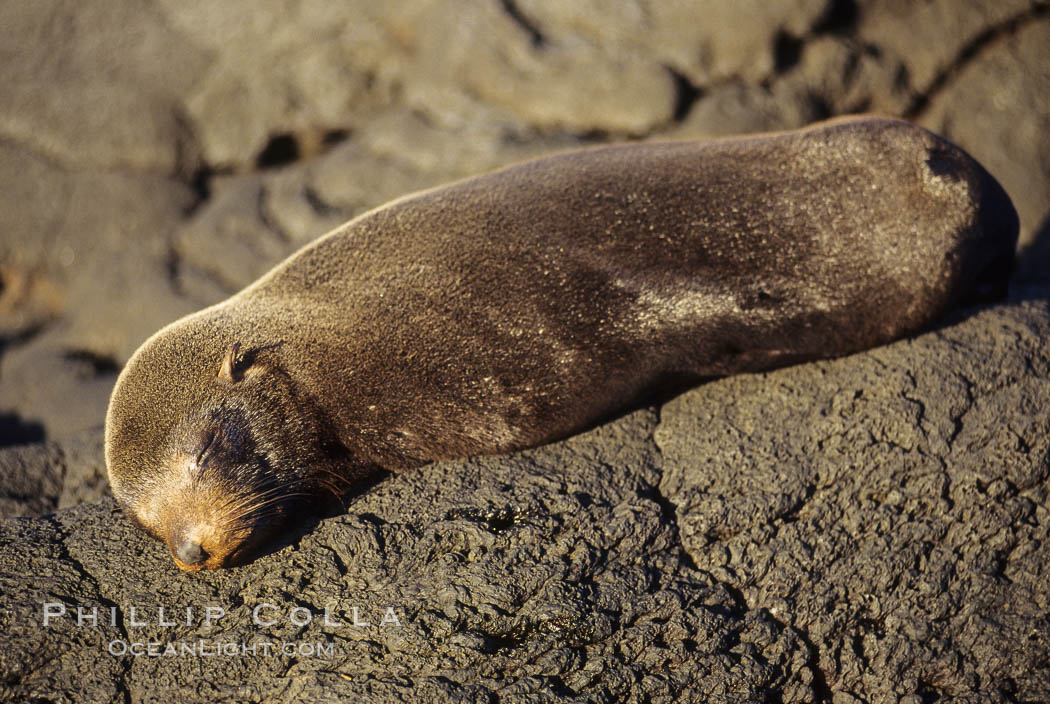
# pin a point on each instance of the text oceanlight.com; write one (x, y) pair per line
(229, 649)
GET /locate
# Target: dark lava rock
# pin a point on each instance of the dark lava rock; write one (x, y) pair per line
(868, 529)
(890, 506)
(30, 479)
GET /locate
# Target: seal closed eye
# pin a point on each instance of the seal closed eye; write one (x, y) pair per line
(518, 307)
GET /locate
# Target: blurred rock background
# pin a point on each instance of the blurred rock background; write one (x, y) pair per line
(158, 155)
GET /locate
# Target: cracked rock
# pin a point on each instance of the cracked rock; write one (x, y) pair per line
(870, 529)
(602, 604)
(886, 506)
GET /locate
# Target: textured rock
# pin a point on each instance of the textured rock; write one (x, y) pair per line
(277, 68)
(65, 392)
(740, 109)
(30, 480)
(602, 605)
(38, 478)
(844, 76)
(998, 109)
(870, 529)
(888, 506)
(87, 252)
(317, 65)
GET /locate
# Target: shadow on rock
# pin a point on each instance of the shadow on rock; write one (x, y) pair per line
(15, 431)
(1033, 262)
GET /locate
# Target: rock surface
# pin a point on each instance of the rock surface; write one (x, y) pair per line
(866, 529)
(890, 506)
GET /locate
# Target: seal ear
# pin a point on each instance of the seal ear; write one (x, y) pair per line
(232, 369)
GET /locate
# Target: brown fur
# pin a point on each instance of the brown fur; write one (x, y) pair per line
(518, 307)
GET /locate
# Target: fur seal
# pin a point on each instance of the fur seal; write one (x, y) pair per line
(518, 307)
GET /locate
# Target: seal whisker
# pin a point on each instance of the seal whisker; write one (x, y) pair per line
(262, 503)
(335, 491)
(339, 478)
(270, 488)
(254, 508)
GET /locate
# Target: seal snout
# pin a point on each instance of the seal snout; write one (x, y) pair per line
(189, 552)
(199, 540)
(200, 547)
(187, 549)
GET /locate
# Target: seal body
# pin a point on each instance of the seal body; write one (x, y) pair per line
(518, 307)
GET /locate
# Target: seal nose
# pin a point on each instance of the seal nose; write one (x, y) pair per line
(190, 553)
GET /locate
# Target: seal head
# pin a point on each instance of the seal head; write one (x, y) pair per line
(246, 450)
